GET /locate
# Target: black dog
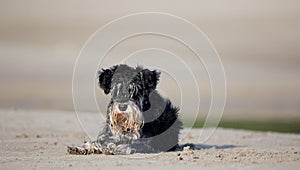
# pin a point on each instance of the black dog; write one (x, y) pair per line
(139, 120)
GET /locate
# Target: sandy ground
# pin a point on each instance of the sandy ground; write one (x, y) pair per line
(38, 139)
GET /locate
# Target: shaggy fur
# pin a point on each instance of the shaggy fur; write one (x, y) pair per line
(139, 120)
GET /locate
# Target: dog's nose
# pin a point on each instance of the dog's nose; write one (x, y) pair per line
(122, 107)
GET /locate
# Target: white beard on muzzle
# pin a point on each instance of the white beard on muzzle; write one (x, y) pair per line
(126, 123)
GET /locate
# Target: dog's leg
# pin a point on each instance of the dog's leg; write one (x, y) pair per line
(106, 147)
(126, 149)
(103, 144)
(86, 149)
(108, 143)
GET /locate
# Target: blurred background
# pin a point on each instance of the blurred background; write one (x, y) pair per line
(258, 42)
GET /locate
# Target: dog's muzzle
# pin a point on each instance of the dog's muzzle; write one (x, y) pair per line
(126, 119)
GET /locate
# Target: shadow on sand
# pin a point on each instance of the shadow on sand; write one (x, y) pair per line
(203, 146)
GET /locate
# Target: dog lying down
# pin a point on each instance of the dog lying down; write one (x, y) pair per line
(139, 120)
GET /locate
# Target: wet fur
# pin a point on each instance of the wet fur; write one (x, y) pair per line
(160, 129)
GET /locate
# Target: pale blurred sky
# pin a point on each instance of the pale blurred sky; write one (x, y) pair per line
(258, 42)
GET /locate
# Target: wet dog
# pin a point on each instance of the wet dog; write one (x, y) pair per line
(139, 119)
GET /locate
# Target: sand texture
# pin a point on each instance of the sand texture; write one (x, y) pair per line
(38, 139)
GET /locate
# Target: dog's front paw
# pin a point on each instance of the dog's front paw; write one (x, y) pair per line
(124, 149)
(109, 149)
(86, 149)
(77, 150)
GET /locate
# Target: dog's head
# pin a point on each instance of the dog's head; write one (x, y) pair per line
(130, 89)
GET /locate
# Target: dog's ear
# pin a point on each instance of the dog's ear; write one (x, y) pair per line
(105, 78)
(150, 79)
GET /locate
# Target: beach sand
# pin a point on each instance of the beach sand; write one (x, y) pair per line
(38, 140)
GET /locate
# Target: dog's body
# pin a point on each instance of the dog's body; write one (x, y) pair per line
(139, 120)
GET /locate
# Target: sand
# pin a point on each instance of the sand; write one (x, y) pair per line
(38, 140)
